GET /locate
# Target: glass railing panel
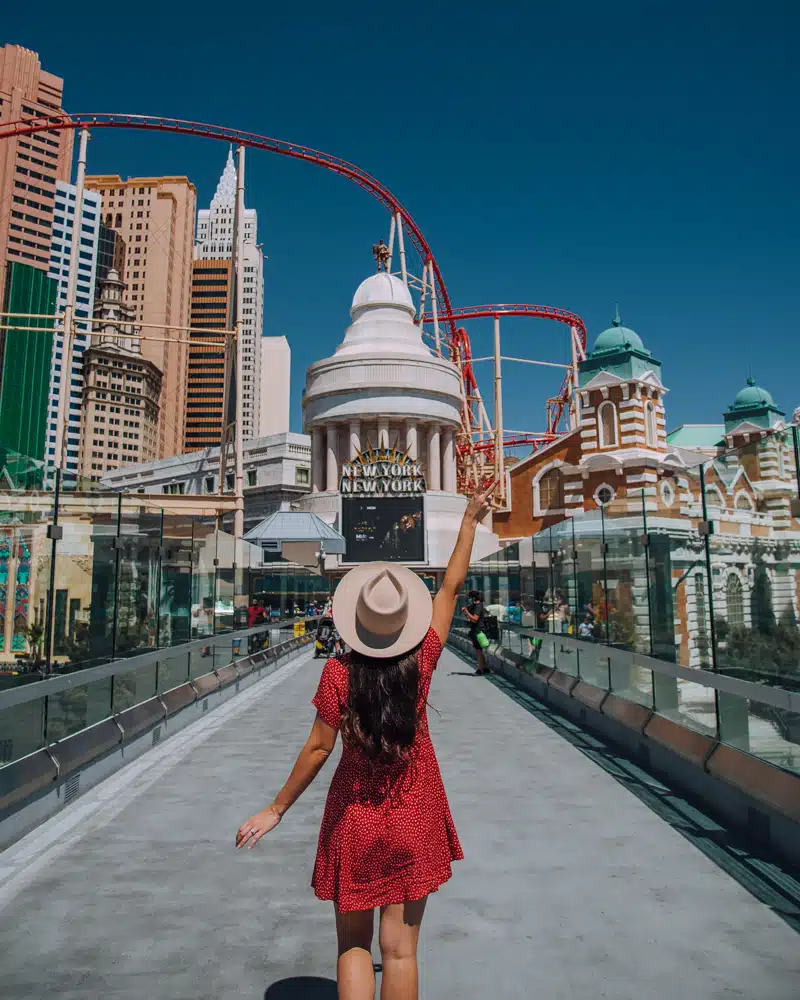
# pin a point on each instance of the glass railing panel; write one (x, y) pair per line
(631, 680)
(754, 561)
(204, 586)
(175, 609)
(593, 663)
(172, 671)
(139, 577)
(679, 593)
(85, 580)
(626, 570)
(767, 731)
(689, 703)
(201, 661)
(25, 567)
(21, 730)
(75, 708)
(224, 606)
(590, 601)
(133, 686)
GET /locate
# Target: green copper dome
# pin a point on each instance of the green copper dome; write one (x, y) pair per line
(617, 338)
(752, 396)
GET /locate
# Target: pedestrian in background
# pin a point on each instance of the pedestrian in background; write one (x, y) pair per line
(475, 613)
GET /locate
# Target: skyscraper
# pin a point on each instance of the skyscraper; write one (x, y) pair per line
(214, 242)
(29, 165)
(155, 217)
(60, 257)
(119, 420)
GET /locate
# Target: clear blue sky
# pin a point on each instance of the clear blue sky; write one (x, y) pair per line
(568, 154)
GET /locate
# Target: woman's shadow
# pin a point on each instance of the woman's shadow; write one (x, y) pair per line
(302, 988)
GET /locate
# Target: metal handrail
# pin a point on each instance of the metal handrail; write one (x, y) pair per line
(778, 697)
(78, 678)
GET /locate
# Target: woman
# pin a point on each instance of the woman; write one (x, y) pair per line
(387, 838)
(475, 613)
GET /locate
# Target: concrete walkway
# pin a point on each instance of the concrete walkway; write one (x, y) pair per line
(571, 887)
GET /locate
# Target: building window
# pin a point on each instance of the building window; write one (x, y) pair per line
(551, 490)
(607, 420)
(735, 600)
(743, 502)
(209, 484)
(252, 476)
(302, 476)
(230, 481)
(604, 494)
(650, 432)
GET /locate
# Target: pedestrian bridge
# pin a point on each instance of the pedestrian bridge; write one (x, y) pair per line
(585, 876)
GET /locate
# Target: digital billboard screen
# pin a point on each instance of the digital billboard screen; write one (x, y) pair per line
(390, 529)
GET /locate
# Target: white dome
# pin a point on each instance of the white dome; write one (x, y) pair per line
(382, 289)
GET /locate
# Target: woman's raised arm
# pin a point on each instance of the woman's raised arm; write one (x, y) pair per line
(444, 604)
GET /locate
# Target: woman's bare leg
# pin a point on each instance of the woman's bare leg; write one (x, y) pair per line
(398, 937)
(355, 973)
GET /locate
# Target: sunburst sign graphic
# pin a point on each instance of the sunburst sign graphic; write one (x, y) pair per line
(382, 472)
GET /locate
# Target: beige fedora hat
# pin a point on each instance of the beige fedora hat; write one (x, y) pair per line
(382, 609)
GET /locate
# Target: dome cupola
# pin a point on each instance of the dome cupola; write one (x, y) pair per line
(618, 338)
(383, 320)
(752, 405)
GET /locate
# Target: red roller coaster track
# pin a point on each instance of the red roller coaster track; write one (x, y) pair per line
(459, 340)
(153, 123)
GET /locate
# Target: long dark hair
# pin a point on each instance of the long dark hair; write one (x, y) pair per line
(382, 710)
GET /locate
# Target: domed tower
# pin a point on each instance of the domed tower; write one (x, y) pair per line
(383, 389)
(622, 395)
(753, 406)
(383, 413)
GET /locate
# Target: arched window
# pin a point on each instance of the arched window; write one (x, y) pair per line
(551, 490)
(650, 433)
(607, 419)
(743, 502)
(735, 599)
(713, 497)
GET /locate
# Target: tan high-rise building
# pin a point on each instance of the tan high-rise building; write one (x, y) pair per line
(29, 165)
(155, 216)
(121, 390)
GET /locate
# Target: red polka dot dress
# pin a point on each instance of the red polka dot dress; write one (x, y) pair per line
(387, 835)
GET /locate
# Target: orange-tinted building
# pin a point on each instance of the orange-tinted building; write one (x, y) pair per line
(29, 165)
(155, 217)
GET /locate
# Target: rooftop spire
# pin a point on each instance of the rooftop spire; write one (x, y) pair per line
(616, 321)
(226, 189)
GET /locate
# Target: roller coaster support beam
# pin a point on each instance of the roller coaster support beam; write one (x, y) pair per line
(499, 457)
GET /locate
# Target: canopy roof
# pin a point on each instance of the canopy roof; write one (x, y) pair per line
(296, 526)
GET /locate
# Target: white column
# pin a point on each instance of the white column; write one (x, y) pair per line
(317, 459)
(332, 465)
(383, 432)
(449, 461)
(355, 438)
(412, 446)
(434, 458)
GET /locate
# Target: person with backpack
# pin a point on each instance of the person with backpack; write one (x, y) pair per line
(475, 613)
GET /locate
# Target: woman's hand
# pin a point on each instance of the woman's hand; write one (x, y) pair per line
(251, 831)
(479, 506)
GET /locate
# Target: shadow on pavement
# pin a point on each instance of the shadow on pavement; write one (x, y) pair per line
(302, 988)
